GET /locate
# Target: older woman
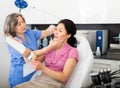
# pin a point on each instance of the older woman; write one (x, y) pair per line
(15, 27)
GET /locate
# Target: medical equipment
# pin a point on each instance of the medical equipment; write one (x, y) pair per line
(18, 47)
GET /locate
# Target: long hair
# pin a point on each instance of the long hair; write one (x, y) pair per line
(10, 23)
(71, 29)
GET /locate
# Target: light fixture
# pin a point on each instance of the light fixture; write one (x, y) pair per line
(20, 4)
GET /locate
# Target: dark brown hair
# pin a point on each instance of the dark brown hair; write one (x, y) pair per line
(71, 29)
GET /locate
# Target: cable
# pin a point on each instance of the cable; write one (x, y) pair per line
(115, 77)
(115, 72)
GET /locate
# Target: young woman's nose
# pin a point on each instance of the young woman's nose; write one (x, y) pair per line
(55, 32)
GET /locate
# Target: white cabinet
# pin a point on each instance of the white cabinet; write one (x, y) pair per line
(99, 11)
(118, 65)
(100, 64)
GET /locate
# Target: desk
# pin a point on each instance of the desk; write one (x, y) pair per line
(109, 60)
(111, 55)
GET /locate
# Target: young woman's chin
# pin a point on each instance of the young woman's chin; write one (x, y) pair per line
(56, 39)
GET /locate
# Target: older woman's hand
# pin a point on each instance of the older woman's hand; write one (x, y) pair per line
(52, 28)
(55, 43)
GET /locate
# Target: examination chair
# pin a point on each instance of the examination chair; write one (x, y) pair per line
(82, 70)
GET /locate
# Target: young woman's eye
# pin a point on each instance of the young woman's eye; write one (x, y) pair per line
(60, 31)
(23, 21)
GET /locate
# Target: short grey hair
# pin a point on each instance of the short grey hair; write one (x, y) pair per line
(10, 23)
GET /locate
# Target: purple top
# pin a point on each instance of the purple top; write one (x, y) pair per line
(57, 62)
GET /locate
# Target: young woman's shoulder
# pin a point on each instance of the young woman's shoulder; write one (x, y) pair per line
(73, 53)
(72, 48)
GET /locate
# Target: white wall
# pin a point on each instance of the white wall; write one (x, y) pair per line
(50, 11)
(92, 11)
(99, 11)
(6, 7)
(113, 11)
(80, 11)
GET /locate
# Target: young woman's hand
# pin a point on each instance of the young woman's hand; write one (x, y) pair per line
(36, 53)
(37, 65)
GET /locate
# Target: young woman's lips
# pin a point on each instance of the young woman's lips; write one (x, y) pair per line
(55, 37)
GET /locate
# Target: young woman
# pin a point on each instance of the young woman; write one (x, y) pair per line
(15, 27)
(59, 62)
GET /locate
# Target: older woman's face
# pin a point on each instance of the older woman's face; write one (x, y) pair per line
(60, 33)
(21, 26)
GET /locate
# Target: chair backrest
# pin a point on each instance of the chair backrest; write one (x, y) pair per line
(84, 65)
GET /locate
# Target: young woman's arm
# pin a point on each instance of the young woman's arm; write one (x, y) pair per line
(67, 71)
(61, 76)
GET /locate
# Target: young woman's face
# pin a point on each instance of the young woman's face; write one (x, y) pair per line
(60, 34)
(21, 26)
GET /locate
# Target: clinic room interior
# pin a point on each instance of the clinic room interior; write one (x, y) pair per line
(98, 37)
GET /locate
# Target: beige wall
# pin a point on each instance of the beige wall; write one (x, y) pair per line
(6, 7)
